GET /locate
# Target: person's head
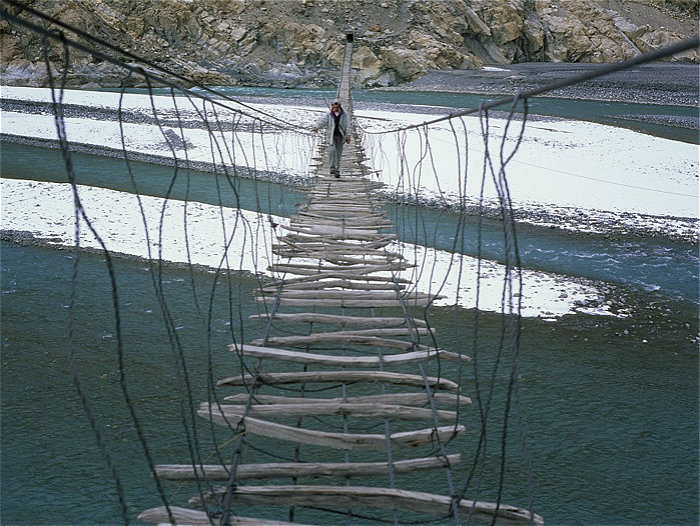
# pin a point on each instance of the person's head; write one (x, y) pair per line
(335, 107)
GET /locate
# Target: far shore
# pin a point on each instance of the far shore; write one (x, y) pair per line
(671, 83)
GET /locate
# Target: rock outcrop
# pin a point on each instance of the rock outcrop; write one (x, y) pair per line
(288, 43)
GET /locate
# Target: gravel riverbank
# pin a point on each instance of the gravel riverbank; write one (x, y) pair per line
(658, 83)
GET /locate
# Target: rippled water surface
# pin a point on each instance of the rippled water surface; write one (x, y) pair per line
(610, 406)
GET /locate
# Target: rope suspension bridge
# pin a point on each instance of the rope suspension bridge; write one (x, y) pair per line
(345, 381)
(336, 260)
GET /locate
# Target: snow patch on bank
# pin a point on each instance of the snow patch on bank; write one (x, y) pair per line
(560, 164)
(242, 240)
(567, 174)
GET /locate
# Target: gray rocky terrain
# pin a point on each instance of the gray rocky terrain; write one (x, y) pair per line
(299, 43)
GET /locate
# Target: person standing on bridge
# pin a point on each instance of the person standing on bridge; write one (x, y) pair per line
(338, 124)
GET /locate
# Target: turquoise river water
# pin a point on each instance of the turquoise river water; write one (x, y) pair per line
(610, 404)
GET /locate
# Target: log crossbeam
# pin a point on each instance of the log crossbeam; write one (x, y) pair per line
(385, 498)
(185, 472)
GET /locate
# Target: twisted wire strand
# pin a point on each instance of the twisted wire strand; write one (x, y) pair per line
(77, 382)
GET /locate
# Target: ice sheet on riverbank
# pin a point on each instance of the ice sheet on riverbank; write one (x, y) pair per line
(212, 234)
(569, 174)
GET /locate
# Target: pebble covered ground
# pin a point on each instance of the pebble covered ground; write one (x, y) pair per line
(657, 83)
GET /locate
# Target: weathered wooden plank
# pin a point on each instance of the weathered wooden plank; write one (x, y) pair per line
(380, 241)
(349, 233)
(334, 203)
(317, 242)
(359, 410)
(337, 283)
(327, 268)
(339, 209)
(324, 214)
(303, 271)
(319, 270)
(368, 215)
(382, 498)
(366, 303)
(322, 275)
(215, 473)
(377, 332)
(341, 337)
(339, 256)
(367, 238)
(338, 246)
(321, 209)
(392, 398)
(330, 228)
(339, 187)
(346, 337)
(356, 295)
(346, 441)
(339, 222)
(343, 377)
(187, 517)
(345, 232)
(341, 259)
(356, 197)
(343, 221)
(336, 319)
(340, 190)
(334, 250)
(342, 247)
(310, 238)
(336, 200)
(285, 355)
(316, 225)
(343, 189)
(359, 269)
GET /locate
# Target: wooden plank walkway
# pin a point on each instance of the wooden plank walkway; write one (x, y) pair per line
(337, 272)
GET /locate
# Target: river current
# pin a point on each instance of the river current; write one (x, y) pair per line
(610, 404)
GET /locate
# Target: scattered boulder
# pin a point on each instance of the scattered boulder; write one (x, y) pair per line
(300, 42)
(367, 65)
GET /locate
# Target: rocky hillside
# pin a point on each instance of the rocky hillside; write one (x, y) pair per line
(300, 42)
